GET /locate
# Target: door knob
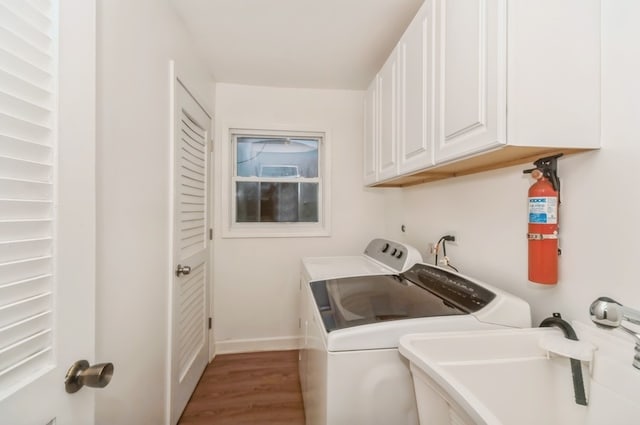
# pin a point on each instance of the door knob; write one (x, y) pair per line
(81, 373)
(182, 270)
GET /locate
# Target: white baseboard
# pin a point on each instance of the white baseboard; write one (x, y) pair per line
(257, 344)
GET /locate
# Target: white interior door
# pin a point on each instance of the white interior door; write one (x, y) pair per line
(189, 339)
(47, 208)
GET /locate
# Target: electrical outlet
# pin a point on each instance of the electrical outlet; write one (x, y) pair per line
(455, 240)
(432, 248)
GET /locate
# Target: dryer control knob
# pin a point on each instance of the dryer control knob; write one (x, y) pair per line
(385, 248)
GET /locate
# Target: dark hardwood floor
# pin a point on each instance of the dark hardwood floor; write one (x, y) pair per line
(248, 388)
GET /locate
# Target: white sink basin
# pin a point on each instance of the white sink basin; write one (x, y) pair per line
(522, 377)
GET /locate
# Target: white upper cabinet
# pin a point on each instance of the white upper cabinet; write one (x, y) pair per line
(483, 84)
(553, 73)
(371, 134)
(517, 73)
(415, 92)
(469, 81)
(388, 118)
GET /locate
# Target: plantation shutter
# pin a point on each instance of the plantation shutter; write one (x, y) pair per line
(28, 87)
(192, 225)
(193, 180)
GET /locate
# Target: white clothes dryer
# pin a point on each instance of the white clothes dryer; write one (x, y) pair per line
(355, 309)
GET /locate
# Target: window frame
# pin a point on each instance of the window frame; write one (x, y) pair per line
(235, 229)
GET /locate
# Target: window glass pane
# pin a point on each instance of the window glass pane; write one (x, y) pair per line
(309, 202)
(247, 202)
(276, 202)
(276, 157)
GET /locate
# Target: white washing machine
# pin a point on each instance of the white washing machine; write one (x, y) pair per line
(354, 310)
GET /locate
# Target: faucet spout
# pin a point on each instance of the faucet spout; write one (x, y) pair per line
(576, 366)
(608, 313)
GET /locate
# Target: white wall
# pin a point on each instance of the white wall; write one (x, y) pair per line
(598, 225)
(135, 42)
(256, 280)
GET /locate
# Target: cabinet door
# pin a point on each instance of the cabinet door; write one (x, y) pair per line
(470, 77)
(415, 93)
(387, 141)
(370, 134)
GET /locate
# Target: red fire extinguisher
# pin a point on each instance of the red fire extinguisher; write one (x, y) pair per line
(544, 200)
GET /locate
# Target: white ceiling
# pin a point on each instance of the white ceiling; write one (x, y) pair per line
(337, 44)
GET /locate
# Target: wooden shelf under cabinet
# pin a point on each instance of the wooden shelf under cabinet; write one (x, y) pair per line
(506, 156)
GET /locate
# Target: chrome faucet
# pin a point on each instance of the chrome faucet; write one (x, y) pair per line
(610, 314)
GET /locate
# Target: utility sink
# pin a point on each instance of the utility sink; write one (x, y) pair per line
(523, 377)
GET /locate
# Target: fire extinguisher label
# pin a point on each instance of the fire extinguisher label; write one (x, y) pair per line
(543, 210)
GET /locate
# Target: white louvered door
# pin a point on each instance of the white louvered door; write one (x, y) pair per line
(47, 208)
(190, 342)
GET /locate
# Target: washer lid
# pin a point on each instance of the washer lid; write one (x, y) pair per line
(357, 301)
(422, 291)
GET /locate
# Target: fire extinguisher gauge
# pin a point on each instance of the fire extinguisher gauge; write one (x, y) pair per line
(537, 174)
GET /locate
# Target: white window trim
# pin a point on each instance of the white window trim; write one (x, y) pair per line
(231, 229)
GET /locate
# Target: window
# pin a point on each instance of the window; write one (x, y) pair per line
(277, 183)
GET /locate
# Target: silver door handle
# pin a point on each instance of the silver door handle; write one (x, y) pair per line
(81, 374)
(182, 270)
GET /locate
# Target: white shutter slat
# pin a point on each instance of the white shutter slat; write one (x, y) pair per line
(192, 219)
(25, 189)
(36, 13)
(42, 6)
(26, 29)
(25, 150)
(16, 271)
(193, 131)
(24, 89)
(191, 146)
(33, 131)
(29, 72)
(190, 154)
(24, 109)
(195, 162)
(28, 326)
(24, 50)
(38, 362)
(16, 291)
(24, 348)
(16, 168)
(20, 250)
(19, 310)
(14, 230)
(30, 209)
(192, 174)
(191, 231)
(27, 168)
(189, 206)
(191, 191)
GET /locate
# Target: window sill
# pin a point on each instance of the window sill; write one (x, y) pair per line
(275, 230)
